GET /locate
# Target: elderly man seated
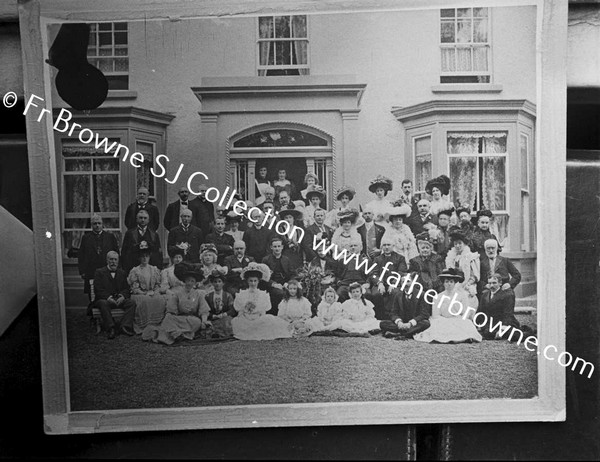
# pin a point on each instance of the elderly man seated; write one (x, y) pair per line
(493, 263)
(498, 304)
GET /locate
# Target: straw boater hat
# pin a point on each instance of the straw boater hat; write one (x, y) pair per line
(348, 214)
(315, 191)
(402, 210)
(380, 181)
(442, 182)
(297, 214)
(184, 270)
(174, 250)
(259, 270)
(349, 190)
(208, 248)
(451, 273)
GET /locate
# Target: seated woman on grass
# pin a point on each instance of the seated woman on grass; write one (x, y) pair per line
(358, 315)
(187, 311)
(448, 309)
(252, 304)
(168, 280)
(328, 312)
(221, 307)
(295, 309)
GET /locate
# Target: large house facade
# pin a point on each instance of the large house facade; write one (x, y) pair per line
(409, 94)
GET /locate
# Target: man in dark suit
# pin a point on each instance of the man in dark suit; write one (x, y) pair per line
(442, 242)
(204, 211)
(499, 305)
(349, 273)
(409, 198)
(382, 292)
(93, 249)
(319, 229)
(493, 263)
(111, 290)
(142, 204)
(410, 313)
(133, 236)
(257, 238)
(281, 272)
(418, 222)
(235, 264)
(222, 241)
(187, 235)
(428, 265)
(370, 233)
(173, 212)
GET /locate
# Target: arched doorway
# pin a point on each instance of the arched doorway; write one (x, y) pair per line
(297, 149)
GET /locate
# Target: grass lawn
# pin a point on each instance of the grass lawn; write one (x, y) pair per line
(127, 373)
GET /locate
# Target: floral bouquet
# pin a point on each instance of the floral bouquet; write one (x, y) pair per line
(183, 246)
(315, 280)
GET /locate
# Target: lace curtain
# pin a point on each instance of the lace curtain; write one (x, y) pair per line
(274, 53)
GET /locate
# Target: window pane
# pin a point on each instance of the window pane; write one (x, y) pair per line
(462, 143)
(299, 52)
(480, 58)
(121, 38)
(523, 148)
(447, 13)
(78, 223)
(105, 65)
(111, 223)
(299, 27)
(265, 27)
(118, 82)
(77, 193)
(105, 51)
(282, 27)
(105, 38)
(448, 60)
(92, 41)
(480, 12)
(480, 30)
(282, 53)
(493, 143)
(105, 26)
(463, 59)
(422, 172)
(78, 165)
(103, 165)
(494, 183)
(463, 178)
(121, 50)
(463, 31)
(464, 12)
(423, 145)
(447, 32)
(123, 25)
(106, 193)
(266, 51)
(121, 64)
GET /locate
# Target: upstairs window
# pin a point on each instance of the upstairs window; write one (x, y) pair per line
(282, 45)
(108, 50)
(465, 45)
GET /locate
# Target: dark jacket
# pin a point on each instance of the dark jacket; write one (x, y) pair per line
(504, 267)
(131, 239)
(379, 232)
(231, 262)
(171, 218)
(134, 208)
(204, 211)
(311, 232)
(500, 307)
(429, 270)
(223, 243)
(407, 307)
(193, 236)
(93, 250)
(257, 242)
(226, 308)
(417, 224)
(398, 265)
(281, 271)
(105, 285)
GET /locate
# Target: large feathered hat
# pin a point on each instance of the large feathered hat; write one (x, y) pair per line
(184, 270)
(348, 214)
(296, 213)
(259, 270)
(348, 190)
(442, 182)
(380, 181)
(398, 210)
(451, 273)
(315, 190)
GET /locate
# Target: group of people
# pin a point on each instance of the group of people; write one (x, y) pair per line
(234, 276)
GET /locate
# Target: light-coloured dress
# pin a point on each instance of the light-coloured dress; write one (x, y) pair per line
(380, 207)
(183, 317)
(404, 241)
(327, 314)
(252, 322)
(168, 281)
(447, 327)
(297, 313)
(468, 262)
(150, 309)
(357, 317)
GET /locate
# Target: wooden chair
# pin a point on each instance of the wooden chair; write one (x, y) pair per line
(96, 322)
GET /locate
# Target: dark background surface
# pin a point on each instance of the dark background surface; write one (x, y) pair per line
(21, 426)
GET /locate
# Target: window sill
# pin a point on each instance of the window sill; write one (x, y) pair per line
(122, 94)
(466, 88)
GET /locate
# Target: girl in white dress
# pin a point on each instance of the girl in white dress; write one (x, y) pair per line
(328, 312)
(252, 304)
(460, 257)
(380, 206)
(295, 309)
(448, 309)
(358, 315)
(400, 234)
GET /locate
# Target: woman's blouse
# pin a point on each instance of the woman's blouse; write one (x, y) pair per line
(252, 304)
(357, 311)
(143, 279)
(168, 281)
(404, 241)
(295, 309)
(467, 262)
(184, 303)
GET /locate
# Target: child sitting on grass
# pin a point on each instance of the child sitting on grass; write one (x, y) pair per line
(328, 311)
(358, 315)
(295, 309)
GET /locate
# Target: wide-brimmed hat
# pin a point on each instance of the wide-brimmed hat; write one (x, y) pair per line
(349, 190)
(184, 270)
(143, 247)
(442, 182)
(380, 181)
(173, 250)
(259, 270)
(217, 273)
(458, 234)
(447, 211)
(402, 210)
(208, 248)
(296, 213)
(348, 214)
(451, 273)
(315, 190)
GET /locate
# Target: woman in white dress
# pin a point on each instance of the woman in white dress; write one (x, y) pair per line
(450, 321)
(346, 233)
(295, 309)
(380, 206)
(252, 321)
(168, 280)
(399, 233)
(358, 315)
(460, 257)
(344, 195)
(187, 310)
(144, 281)
(438, 188)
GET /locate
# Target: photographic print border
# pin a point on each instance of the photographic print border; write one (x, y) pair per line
(550, 183)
